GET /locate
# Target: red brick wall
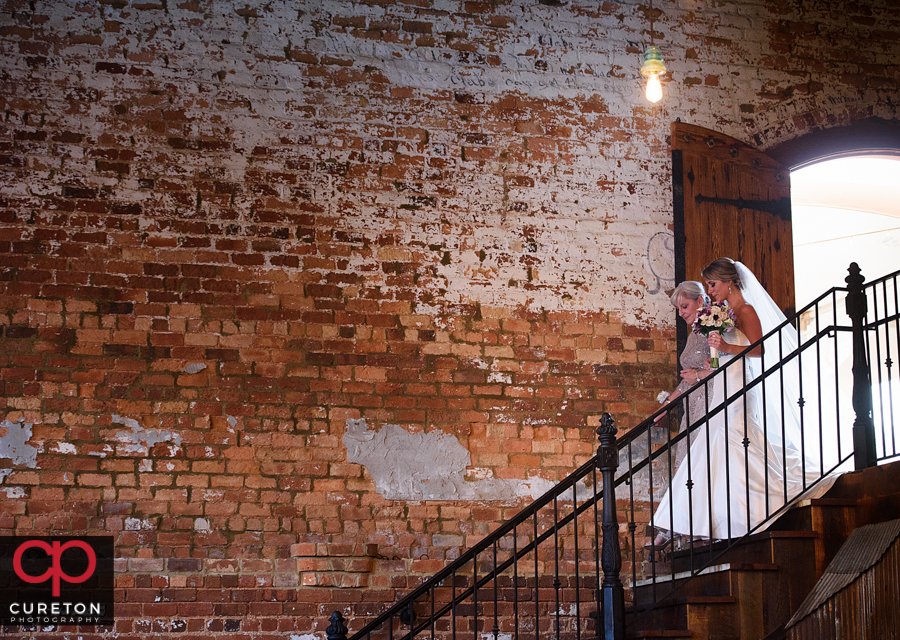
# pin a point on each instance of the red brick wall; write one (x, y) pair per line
(452, 218)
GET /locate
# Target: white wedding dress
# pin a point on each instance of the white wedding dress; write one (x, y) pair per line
(723, 489)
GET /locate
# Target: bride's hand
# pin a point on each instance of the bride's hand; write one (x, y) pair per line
(715, 341)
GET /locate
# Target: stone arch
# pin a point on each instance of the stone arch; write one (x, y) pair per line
(856, 137)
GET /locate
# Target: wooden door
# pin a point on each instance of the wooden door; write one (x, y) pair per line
(734, 201)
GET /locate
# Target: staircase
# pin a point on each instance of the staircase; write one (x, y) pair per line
(566, 566)
(755, 587)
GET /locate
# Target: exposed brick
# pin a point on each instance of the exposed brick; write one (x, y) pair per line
(206, 278)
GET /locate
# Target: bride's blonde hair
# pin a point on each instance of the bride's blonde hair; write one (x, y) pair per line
(722, 269)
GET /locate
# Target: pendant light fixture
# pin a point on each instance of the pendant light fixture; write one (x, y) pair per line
(653, 67)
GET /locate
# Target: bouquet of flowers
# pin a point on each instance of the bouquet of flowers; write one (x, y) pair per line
(714, 318)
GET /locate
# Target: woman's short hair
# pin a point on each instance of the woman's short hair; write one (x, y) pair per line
(688, 290)
(722, 269)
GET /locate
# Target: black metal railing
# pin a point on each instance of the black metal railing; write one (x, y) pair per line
(553, 570)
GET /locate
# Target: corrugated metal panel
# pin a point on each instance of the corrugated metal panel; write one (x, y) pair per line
(867, 609)
(865, 546)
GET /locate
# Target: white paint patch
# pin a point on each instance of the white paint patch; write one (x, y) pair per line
(429, 466)
(63, 447)
(194, 367)
(140, 440)
(137, 524)
(103, 453)
(13, 492)
(14, 446)
(305, 636)
(202, 525)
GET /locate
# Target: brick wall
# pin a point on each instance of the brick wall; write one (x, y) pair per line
(232, 235)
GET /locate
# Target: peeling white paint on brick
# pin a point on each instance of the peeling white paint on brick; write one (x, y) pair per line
(139, 440)
(13, 493)
(14, 445)
(138, 524)
(63, 447)
(105, 450)
(202, 525)
(194, 367)
(429, 466)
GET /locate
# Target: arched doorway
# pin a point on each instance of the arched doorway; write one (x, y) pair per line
(848, 209)
(844, 209)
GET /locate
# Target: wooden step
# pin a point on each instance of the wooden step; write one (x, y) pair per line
(705, 617)
(717, 580)
(768, 546)
(833, 518)
(661, 633)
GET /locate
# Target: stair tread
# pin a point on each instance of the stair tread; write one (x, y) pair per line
(720, 546)
(708, 599)
(716, 568)
(827, 502)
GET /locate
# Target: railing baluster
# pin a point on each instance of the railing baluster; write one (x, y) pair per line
(475, 597)
(537, 584)
(577, 562)
(496, 629)
(890, 381)
(875, 363)
(819, 394)
(746, 443)
(632, 526)
(556, 583)
(515, 546)
(453, 605)
(597, 539)
(783, 422)
(837, 377)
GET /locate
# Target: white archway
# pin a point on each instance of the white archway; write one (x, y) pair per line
(846, 210)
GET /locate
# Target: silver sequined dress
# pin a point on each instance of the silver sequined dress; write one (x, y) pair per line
(694, 356)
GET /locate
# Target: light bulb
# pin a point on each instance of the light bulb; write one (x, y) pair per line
(654, 88)
(652, 69)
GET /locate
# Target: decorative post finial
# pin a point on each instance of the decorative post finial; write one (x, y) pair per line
(337, 630)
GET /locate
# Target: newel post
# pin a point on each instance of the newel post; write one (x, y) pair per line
(863, 426)
(337, 630)
(612, 600)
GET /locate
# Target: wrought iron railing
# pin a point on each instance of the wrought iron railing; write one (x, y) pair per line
(554, 569)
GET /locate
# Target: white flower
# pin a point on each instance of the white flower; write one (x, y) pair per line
(662, 397)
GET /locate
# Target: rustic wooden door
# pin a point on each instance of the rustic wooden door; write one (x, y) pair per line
(734, 201)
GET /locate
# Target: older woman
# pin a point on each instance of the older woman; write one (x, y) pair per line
(688, 298)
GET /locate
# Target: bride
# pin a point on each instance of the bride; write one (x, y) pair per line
(746, 461)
